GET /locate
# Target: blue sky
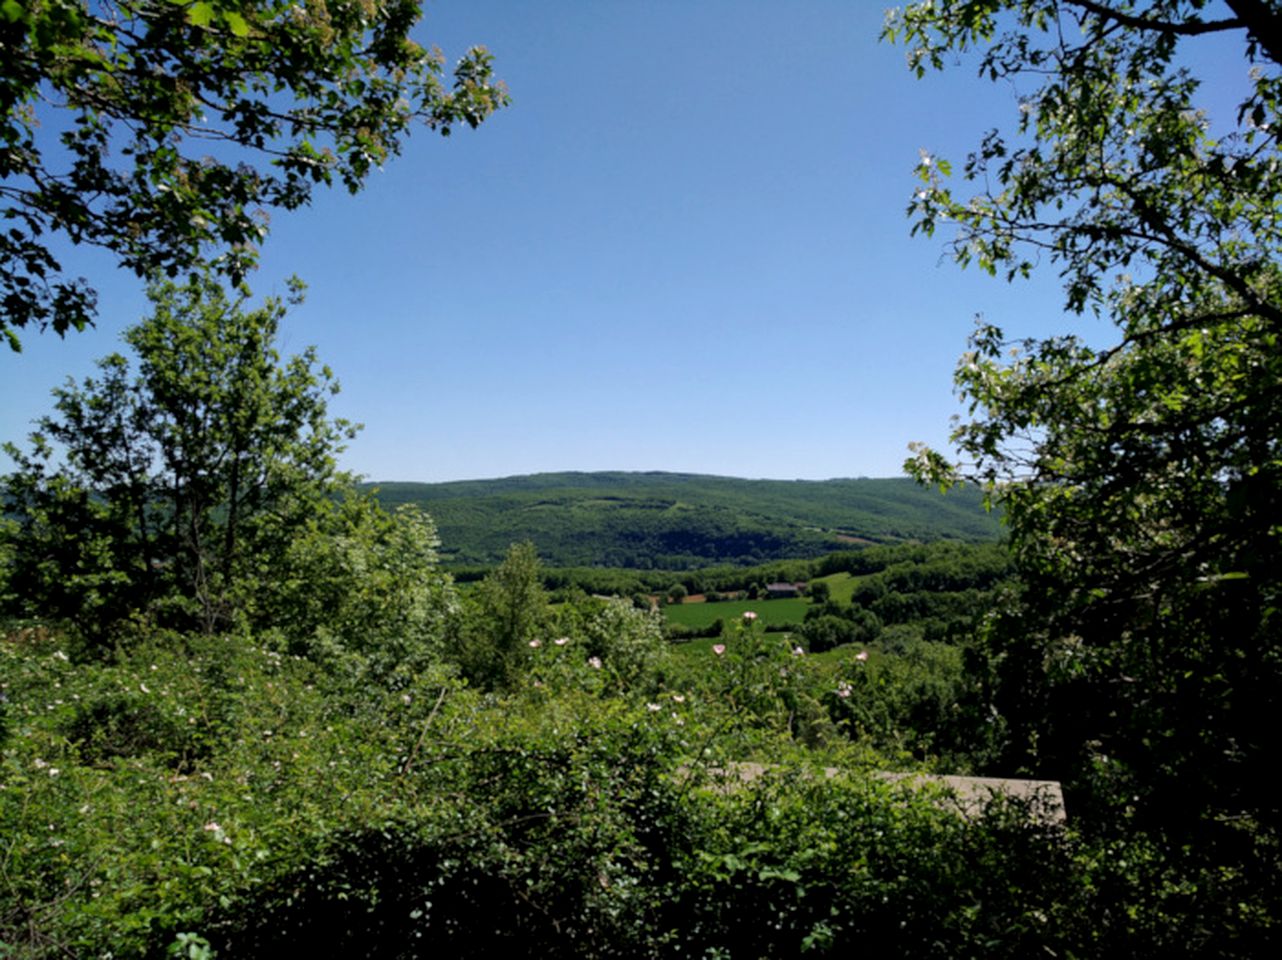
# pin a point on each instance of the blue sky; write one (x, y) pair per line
(682, 247)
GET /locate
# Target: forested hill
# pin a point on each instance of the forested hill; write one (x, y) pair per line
(680, 521)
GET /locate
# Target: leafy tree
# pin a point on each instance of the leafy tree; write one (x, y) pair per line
(509, 610)
(626, 641)
(321, 91)
(677, 593)
(357, 588)
(1142, 480)
(831, 625)
(154, 491)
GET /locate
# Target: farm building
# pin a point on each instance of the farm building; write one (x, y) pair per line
(778, 591)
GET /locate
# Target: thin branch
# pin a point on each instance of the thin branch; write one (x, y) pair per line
(1187, 28)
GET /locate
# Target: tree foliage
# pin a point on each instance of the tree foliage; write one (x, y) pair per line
(509, 610)
(355, 588)
(160, 130)
(1142, 480)
(156, 490)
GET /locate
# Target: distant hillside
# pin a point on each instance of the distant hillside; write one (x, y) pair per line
(680, 521)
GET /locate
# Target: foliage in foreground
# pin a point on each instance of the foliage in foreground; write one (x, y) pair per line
(195, 486)
(260, 801)
(221, 788)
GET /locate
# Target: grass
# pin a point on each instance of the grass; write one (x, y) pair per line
(771, 612)
(841, 586)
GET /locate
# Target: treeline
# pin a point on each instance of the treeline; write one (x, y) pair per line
(931, 592)
(905, 568)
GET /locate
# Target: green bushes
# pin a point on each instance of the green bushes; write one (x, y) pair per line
(230, 791)
(358, 586)
(126, 725)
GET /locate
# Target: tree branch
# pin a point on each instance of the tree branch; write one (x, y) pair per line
(1189, 28)
(1263, 23)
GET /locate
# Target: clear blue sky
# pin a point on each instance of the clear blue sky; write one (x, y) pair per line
(682, 247)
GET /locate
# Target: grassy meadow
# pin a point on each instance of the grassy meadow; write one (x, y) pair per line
(771, 613)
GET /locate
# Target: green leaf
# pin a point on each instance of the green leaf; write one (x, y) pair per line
(236, 23)
(200, 14)
(13, 11)
(773, 873)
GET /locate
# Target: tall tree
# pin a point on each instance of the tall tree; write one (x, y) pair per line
(510, 609)
(152, 491)
(163, 130)
(1142, 480)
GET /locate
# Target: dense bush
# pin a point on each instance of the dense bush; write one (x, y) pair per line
(432, 820)
(831, 625)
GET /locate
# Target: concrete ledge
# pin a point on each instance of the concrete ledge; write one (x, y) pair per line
(970, 795)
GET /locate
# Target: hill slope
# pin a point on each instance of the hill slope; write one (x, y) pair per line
(680, 521)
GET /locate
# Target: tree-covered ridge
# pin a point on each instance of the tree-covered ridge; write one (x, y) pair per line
(677, 521)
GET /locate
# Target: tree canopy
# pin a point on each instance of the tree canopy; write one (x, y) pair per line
(1143, 479)
(1114, 174)
(153, 490)
(163, 131)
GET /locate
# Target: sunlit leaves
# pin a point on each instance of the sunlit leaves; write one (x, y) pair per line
(1142, 481)
(1113, 170)
(183, 122)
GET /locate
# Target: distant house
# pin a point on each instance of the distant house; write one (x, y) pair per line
(778, 591)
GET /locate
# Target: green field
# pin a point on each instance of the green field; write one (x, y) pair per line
(771, 612)
(841, 585)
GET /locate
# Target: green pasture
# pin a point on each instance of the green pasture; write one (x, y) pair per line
(770, 612)
(841, 585)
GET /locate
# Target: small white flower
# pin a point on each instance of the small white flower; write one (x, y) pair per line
(561, 641)
(678, 698)
(798, 652)
(653, 707)
(59, 655)
(143, 688)
(535, 644)
(594, 663)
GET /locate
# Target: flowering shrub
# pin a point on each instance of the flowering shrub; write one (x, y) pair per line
(242, 801)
